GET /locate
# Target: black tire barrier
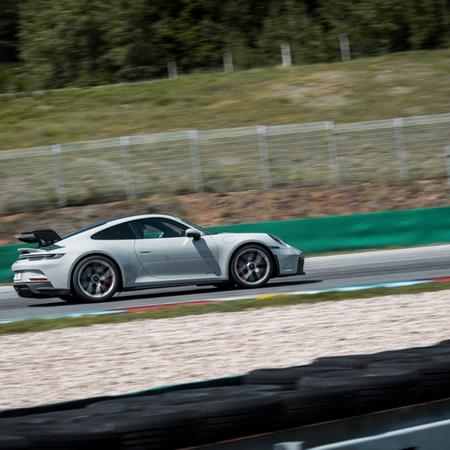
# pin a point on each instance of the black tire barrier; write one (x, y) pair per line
(363, 361)
(373, 388)
(11, 442)
(221, 412)
(231, 412)
(304, 406)
(350, 362)
(287, 377)
(58, 434)
(434, 373)
(445, 343)
(266, 400)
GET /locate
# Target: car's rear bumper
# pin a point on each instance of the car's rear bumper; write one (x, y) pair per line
(54, 271)
(39, 290)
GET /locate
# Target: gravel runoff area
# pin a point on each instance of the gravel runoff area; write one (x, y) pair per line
(111, 359)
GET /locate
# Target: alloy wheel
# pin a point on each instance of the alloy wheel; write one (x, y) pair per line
(96, 278)
(252, 266)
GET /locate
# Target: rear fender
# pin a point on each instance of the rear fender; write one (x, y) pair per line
(99, 253)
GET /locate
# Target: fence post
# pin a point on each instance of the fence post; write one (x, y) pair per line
(332, 152)
(286, 58)
(344, 45)
(261, 131)
(447, 157)
(127, 173)
(59, 176)
(172, 70)
(195, 160)
(400, 146)
(228, 65)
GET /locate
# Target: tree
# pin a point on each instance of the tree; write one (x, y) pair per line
(62, 43)
(429, 21)
(374, 27)
(288, 22)
(9, 21)
(75, 42)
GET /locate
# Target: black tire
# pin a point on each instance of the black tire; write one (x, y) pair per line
(374, 388)
(372, 378)
(52, 431)
(445, 343)
(95, 278)
(230, 412)
(288, 377)
(306, 406)
(10, 442)
(161, 428)
(360, 361)
(260, 267)
(348, 361)
(434, 372)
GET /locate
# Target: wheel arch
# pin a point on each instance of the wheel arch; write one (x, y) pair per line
(275, 269)
(96, 253)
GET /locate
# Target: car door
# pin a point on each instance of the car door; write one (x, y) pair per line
(165, 253)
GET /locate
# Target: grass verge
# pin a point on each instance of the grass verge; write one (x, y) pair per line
(263, 301)
(395, 85)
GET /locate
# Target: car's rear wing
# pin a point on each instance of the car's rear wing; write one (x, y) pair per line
(40, 237)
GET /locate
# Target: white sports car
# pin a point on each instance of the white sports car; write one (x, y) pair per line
(140, 252)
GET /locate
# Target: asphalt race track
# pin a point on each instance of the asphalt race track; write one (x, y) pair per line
(323, 272)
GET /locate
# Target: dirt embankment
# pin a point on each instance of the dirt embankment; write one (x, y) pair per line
(209, 209)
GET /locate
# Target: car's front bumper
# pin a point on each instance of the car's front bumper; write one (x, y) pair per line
(39, 290)
(290, 261)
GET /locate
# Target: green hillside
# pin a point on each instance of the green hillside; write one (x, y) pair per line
(402, 84)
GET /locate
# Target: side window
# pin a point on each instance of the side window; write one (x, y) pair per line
(157, 228)
(177, 229)
(116, 233)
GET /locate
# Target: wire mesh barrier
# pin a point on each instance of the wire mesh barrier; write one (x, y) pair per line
(255, 157)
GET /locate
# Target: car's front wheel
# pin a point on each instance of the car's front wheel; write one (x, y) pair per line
(251, 266)
(95, 278)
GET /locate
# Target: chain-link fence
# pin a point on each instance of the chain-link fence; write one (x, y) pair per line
(257, 157)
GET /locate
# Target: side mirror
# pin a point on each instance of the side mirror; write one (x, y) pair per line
(194, 234)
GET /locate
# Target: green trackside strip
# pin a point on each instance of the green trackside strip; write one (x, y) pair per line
(405, 228)
(8, 254)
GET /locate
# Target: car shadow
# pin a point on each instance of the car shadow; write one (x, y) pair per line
(130, 296)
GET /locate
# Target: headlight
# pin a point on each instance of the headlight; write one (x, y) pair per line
(41, 256)
(277, 239)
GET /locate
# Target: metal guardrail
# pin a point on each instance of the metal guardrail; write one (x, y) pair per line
(424, 426)
(255, 157)
(430, 436)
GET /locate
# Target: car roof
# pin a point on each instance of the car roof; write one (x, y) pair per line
(89, 230)
(140, 216)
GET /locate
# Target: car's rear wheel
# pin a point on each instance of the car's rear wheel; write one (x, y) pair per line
(95, 278)
(251, 266)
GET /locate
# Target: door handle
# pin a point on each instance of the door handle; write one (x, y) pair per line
(145, 251)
